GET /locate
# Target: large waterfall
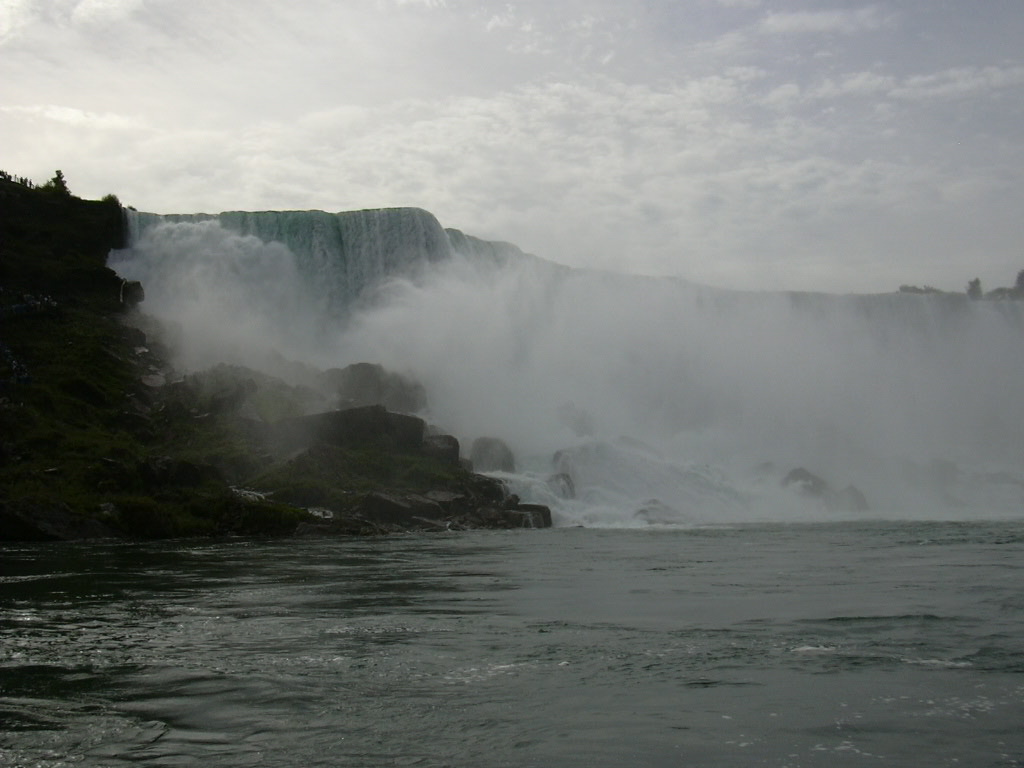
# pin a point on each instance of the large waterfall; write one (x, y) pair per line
(661, 400)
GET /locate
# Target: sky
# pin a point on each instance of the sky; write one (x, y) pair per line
(825, 145)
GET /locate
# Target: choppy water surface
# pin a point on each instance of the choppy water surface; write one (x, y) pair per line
(798, 645)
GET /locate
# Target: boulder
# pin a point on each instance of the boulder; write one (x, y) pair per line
(371, 384)
(371, 426)
(132, 293)
(805, 482)
(492, 454)
(163, 471)
(849, 499)
(522, 516)
(30, 520)
(402, 510)
(535, 515)
(656, 512)
(443, 448)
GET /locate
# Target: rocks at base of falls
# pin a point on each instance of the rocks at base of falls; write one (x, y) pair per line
(492, 454)
(36, 520)
(812, 486)
(371, 384)
(369, 426)
(436, 510)
(324, 445)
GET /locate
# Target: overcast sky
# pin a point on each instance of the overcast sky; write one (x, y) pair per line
(797, 144)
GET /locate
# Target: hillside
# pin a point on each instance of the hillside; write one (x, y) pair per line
(101, 437)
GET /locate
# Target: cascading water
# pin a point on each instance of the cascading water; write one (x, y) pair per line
(656, 400)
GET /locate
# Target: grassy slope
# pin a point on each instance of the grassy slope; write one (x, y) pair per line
(80, 433)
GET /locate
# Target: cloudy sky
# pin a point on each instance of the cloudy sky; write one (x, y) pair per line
(801, 144)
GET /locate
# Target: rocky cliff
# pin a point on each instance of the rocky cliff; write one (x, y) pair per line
(102, 437)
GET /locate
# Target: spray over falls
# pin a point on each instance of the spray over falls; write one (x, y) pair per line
(658, 401)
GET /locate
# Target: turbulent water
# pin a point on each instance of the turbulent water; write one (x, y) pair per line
(664, 402)
(685, 610)
(847, 644)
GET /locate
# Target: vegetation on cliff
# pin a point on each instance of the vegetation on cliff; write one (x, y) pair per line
(99, 437)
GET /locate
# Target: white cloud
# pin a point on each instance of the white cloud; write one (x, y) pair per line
(856, 84)
(102, 11)
(626, 135)
(14, 15)
(76, 117)
(817, 22)
(960, 82)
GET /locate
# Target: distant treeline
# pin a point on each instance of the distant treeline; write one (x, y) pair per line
(56, 186)
(974, 289)
(25, 182)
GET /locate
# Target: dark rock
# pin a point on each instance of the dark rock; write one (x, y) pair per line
(656, 512)
(398, 509)
(488, 489)
(312, 530)
(134, 337)
(849, 499)
(163, 471)
(131, 293)
(370, 384)
(443, 448)
(450, 501)
(807, 483)
(26, 520)
(523, 516)
(369, 426)
(491, 454)
(86, 391)
(536, 515)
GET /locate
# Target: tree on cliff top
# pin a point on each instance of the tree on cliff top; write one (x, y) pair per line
(58, 185)
(974, 288)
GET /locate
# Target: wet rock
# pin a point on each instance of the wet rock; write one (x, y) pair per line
(522, 516)
(364, 384)
(810, 485)
(131, 293)
(807, 483)
(656, 512)
(535, 515)
(163, 471)
(369, 426)
(26, 520)
(492, 454)
(398, 509)
(443, 448)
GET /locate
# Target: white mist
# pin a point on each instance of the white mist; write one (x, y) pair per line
(691, 397)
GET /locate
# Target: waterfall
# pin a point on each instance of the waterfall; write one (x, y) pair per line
(653, 389)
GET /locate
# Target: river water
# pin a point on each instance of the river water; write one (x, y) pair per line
(846, 644)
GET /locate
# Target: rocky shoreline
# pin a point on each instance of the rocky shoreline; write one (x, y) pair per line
(103, 438)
